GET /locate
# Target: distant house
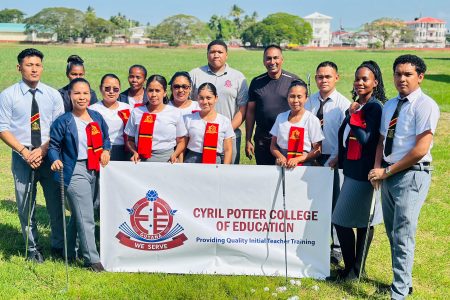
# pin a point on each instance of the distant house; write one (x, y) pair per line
(351, 38)
(15, 32)
(138, 35)
(321, 26)
(428, 32)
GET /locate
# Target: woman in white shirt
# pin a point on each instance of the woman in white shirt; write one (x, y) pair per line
(156, 131)
(210, 133)
(181, 87)
(115, 113)
(303, 121)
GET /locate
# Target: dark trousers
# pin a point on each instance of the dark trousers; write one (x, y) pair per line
(262, 150)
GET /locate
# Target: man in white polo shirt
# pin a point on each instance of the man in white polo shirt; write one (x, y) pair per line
(329, 106)
(231, 88)
(27, 110)
(402, 165)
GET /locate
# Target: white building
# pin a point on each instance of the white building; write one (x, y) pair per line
(15, 32)
(428, 32)
(321, 26)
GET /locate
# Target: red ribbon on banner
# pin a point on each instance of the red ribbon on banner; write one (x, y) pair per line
(127, 241)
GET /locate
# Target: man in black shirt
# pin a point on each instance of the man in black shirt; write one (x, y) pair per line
(267, 98)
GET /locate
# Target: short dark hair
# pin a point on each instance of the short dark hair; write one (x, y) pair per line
(272, 46)
(217, 42)
(327, 64)
(108, 75)
(29, 52)
(144, 70)
(161, 80)
(414, 60)
(73, 60)
(208, 86)
(298, 82)
(78, 80)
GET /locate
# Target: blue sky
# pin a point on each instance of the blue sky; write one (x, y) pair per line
(351, 13)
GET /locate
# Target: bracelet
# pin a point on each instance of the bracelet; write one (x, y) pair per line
(388, 171)
(20, 152)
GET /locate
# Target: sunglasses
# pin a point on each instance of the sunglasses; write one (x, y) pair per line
(181, 86)
(114, 89)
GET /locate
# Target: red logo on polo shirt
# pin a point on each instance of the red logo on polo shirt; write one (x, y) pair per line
(228, 83)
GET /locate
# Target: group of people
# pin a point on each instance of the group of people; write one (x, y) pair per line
(378, 143)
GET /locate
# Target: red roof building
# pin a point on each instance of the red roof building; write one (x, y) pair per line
(428, 32)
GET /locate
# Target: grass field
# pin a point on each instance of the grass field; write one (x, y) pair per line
(431, 273)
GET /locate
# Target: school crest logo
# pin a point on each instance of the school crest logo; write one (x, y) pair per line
(151, 225)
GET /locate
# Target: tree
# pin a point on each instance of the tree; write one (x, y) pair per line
(222, 28)
(11, 16)
(277, 29)
(181, 29)
(388, 30)
(95, 27)
(236, 13)
(67, 23)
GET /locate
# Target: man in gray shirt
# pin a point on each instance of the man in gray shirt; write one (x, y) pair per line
(231, 87)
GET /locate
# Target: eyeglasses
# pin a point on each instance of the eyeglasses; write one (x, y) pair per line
(114, 89)
(181, 86)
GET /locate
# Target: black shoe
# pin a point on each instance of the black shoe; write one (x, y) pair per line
(57, 253)
(410, 290)
(97, 267)
(335, 257)
(35, 256)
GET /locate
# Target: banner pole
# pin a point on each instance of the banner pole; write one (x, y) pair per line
(283, 182)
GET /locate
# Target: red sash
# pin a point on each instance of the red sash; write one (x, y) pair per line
(145, 139)
(124, 115)
(354, 148)
(94, 146)
(138, 104)
(196, 110)
(295, 142)
(210, 143)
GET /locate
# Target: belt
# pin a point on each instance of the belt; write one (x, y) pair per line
(423, 166)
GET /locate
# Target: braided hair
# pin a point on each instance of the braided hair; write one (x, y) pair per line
(378, 91)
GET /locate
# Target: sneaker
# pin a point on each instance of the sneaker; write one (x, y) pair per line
(97, 267)
(335, 257)
(35, 256)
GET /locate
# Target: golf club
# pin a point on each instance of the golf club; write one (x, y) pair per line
(29, 197)
(61, 186)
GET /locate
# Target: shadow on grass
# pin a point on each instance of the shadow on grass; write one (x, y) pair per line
(11, 241)
(353, 288)
(438, 77)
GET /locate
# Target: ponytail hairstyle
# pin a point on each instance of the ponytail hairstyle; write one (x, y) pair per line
(78, 80)
(378, 91)
(208, 86)
(298, 82)
(161, 80)
(73, 60)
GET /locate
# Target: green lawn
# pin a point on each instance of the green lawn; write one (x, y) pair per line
(431, 270)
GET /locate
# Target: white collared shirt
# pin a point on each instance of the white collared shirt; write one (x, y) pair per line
(311, 124)
(417, 115)
(15, 110)
(333, 116)
(169, 125)
(187, 110)
(112, 119)
(196, 131)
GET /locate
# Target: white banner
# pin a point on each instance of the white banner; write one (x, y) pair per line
(215, 219)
